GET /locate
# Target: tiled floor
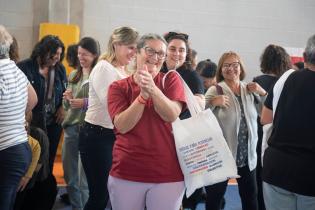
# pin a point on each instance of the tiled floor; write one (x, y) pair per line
(231, 196)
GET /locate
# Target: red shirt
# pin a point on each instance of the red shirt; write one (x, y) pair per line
(147, 152)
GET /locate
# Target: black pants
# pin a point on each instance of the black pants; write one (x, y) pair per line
(54, 131)
(96, 146)
(41, 196)
(260, 196)
(246, 186)
(193, 200)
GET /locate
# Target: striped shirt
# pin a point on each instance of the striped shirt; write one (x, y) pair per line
(13, 101)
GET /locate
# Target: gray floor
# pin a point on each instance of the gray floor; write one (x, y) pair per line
(231, 196)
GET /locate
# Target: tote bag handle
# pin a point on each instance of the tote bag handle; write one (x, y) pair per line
(192, 104)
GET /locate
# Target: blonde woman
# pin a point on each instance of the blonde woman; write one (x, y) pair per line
(97, 136)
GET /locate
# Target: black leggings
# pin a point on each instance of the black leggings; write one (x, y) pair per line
(246, 186)
(96, 146)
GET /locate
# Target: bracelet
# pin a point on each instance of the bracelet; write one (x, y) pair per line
(142, 100)
(85, 104)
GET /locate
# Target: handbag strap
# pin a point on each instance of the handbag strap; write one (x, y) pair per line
(192, 103)
(50, 85)
(219, 90)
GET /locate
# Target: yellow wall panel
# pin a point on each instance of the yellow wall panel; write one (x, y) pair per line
(68, 33)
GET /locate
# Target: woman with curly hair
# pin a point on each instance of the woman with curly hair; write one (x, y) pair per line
(46, 73)
(274, 62)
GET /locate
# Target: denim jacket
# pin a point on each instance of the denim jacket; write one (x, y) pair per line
(31, 70)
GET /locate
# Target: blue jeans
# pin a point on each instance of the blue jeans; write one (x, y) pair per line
(96, 146)
(277, 198)
(14, 162)
(74, 175)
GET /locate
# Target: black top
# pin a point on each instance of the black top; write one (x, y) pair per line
(193, 81)
(266, 81)
(289, 159)
(31, 70)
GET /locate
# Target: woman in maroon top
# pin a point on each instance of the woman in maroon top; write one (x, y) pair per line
(145, 169)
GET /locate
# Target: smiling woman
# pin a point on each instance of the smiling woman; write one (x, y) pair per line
(97, 137)
(75, 102)
(144, 156)
(178, 57)
(150, 56)
(236, 110)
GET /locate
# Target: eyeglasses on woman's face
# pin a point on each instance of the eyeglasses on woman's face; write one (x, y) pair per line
(234, 65)
(151, 52)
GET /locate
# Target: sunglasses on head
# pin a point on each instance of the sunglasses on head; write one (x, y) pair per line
(172, 34)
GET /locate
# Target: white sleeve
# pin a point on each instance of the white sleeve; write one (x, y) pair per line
(103, 75)
(277, 89)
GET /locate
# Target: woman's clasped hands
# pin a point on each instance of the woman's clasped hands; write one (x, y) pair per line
(145, 82)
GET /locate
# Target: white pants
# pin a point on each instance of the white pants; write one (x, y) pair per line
(129, 195)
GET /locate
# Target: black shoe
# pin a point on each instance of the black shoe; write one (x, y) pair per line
(65, 198)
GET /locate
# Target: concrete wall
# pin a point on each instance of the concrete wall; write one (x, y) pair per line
(17, 16)
(214, 26)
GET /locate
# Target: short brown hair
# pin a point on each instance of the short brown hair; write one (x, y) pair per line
(226, 55)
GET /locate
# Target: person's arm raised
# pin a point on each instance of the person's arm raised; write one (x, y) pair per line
(167, 109)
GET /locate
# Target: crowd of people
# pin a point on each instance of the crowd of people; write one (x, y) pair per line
(116, 110)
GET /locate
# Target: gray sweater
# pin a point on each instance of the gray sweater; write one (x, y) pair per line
(229, 119)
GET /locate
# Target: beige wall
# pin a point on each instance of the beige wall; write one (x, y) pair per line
(22, 18)
(214, 26)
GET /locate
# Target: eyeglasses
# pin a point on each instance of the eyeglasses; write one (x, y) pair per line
(234, 65)
(151, 52)
(172, 34)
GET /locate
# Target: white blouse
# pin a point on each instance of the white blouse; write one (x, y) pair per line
(102, 75)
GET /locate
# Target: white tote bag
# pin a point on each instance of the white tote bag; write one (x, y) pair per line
(202, 151)
(267, 129)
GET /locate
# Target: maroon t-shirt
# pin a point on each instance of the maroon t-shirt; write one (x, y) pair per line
(147, 152)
